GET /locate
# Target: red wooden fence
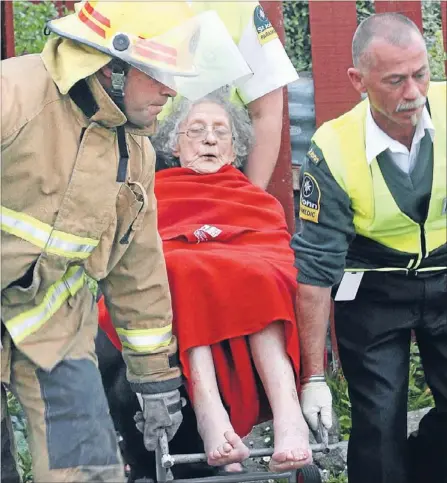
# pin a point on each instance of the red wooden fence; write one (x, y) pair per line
(444, 29)
(411, 9)
(332, 25)
(7, 34)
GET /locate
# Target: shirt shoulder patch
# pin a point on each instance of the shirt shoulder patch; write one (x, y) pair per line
(264, 28)
(310, 198)
(315, 154)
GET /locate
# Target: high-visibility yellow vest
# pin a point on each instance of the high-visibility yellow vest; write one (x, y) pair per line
(376, 213)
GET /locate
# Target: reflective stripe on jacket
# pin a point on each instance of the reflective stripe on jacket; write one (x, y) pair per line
(376, 214)
(65, 215)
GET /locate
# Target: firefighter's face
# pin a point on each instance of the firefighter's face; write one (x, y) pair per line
(396, 79)
(144, 98)
(205, 141)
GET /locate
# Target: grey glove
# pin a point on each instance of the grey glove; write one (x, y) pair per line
(161, 411)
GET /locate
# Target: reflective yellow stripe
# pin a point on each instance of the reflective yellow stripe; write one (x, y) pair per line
(43, 235)
(145, 340)
(28, 322)
(24, 226)
(431, 269)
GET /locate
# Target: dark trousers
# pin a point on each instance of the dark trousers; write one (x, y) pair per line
(374, 333)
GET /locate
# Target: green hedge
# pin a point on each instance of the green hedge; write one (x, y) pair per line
(29, 25)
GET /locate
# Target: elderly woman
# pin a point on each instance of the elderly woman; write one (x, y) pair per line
(232, 283)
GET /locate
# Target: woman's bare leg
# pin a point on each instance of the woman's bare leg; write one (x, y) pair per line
(222, 445)
(291, 432)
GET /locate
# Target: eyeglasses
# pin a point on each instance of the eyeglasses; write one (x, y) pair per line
(200, 133)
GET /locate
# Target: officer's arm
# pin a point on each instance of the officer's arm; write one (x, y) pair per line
(272, 70)
(313, 306)
(320, 251)
(266, 116)
(138, 299)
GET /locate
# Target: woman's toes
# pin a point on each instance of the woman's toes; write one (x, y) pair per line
(226, 448)
(232, 451)
(290, 460)
(238, 446)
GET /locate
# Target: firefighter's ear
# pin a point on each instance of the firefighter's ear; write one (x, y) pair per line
(106, 71)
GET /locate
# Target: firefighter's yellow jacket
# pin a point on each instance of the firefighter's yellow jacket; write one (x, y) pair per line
(64, 216)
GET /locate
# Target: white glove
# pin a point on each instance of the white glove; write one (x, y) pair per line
(316, 400)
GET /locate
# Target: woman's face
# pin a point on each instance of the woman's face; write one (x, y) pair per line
(205, 141)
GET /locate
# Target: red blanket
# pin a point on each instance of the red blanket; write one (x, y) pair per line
(231, 274)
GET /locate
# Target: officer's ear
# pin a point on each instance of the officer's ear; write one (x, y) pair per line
(356, 78)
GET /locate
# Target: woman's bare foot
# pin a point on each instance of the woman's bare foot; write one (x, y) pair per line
(233, 450)
(222, 445)
(291, 445)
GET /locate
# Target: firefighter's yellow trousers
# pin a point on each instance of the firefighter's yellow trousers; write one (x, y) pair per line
(70, 431)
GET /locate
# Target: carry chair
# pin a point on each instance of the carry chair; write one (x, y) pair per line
(164, 461)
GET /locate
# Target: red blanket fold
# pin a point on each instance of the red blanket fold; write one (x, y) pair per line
(231, 274)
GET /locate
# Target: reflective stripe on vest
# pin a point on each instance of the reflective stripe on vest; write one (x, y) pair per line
(28, 322)
(42, 235)
(145, 340)
(378, 217)
(395, 269)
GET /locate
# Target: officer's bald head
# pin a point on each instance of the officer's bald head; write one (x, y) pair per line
(394, 28)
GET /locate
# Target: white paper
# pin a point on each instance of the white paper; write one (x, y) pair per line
(349, 286)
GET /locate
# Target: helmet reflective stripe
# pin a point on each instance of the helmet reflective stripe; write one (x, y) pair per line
(156, 51)
(42, 235)
(90, 16)
(28, 322)
(148, 340)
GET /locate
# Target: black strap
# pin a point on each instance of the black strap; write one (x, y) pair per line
(427, 105)
(124, 155)
(81, 95)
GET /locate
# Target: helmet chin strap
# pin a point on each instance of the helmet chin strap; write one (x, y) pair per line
(119, 72)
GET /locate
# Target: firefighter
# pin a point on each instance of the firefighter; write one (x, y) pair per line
(261, 47)
(373, 212)
(77, 202)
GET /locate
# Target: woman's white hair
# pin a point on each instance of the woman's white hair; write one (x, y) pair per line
(165, 140)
